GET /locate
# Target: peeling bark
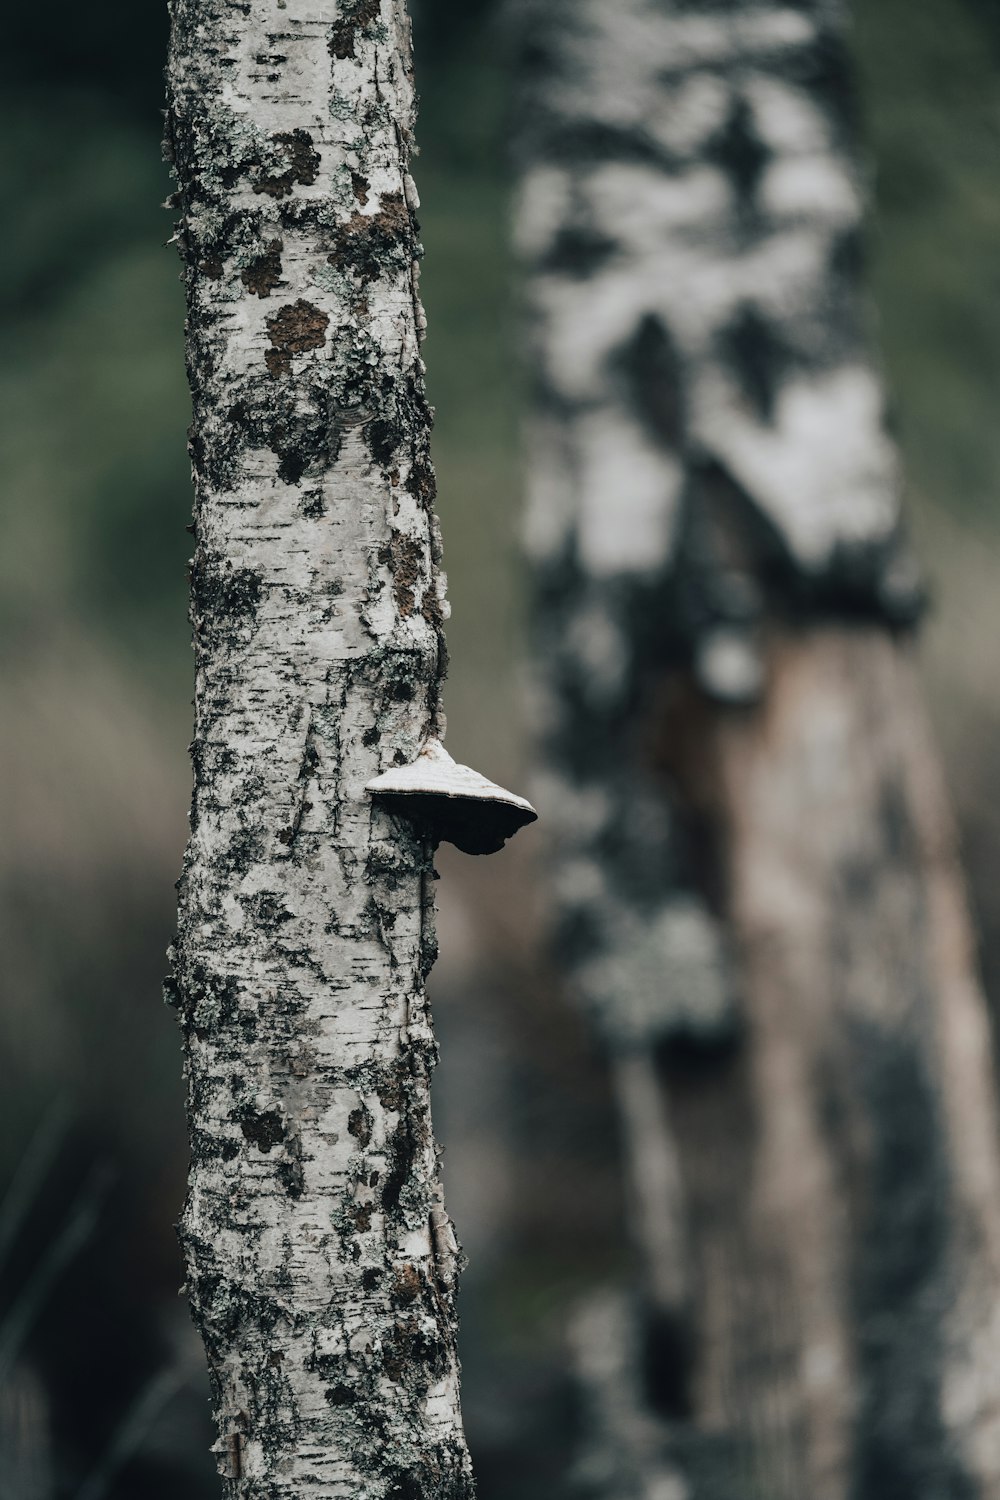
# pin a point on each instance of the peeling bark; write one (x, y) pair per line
(321, 1263)
(756, 890)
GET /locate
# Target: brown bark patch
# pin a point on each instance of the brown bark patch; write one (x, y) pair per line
(405, 556)
(263, 273)
(406, 1287)
(359, 1124)
(430, 608)
(360, 187)
(420, 481)
(302, 164)
(293, 330)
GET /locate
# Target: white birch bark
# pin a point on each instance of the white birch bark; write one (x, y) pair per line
(756, 887)
(321, 1263)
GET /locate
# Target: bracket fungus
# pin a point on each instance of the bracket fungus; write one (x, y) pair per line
(457, 805)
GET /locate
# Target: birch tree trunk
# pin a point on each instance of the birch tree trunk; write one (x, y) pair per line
(757, 890)
(321, 1264)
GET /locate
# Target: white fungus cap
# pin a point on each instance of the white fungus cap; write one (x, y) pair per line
(460, 806)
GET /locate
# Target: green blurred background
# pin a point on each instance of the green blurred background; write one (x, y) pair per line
(101, 1389)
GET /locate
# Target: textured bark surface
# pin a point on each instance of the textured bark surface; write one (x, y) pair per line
(321, 1264)
(706, 445)
(841, 1165)
(756, 889)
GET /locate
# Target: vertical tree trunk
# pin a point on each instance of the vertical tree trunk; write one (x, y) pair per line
(321, 1264)
(756, 884)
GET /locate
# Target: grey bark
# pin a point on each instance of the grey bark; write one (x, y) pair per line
(321, 1265)
(756, 889)
(26, 1469)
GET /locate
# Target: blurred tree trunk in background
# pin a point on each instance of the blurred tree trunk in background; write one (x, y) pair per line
(321, 1263)
(756, 885)
(25, 1438)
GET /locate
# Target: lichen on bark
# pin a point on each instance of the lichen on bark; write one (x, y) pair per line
(321, 1265)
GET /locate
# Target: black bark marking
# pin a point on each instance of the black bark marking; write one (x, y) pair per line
(413, 1357)
(266, 910)
(224, 599)
(367, 243)
(300, 435)
(384, 436)
(223, 1307)
(246, 848)
(207, 1002)
(359, 14)
(667, 1360)
(407, 1140)
(437, 1477)
(900, 1279)
(421, 481)
(733, 555)
(308, 767)
(596, 141)
(824, 69)
(402, 429)
(578, 251)
(290, 1172)
(740, 152)
(756, 351)
(313, 504)
(264, 1130)
(653, 372)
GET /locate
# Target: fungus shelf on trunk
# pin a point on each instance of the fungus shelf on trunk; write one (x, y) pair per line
(456, 804)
